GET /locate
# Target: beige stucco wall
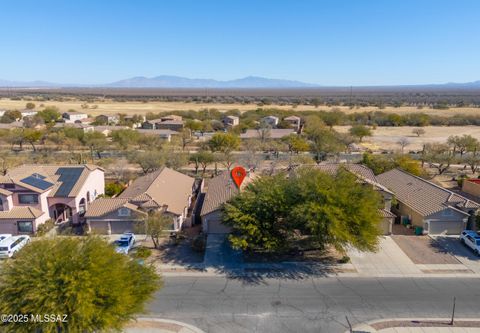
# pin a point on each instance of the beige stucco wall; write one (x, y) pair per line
(471, 188)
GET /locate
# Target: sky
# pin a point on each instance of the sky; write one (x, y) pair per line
(327, 42)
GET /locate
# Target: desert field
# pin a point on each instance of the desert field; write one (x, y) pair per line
(130, 108)
(387, 137)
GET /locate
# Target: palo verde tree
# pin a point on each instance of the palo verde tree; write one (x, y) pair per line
(333, 210)
(82, 278)
(360, 131)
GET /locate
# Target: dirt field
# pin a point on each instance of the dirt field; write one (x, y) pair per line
(387, 137)
(110, 107)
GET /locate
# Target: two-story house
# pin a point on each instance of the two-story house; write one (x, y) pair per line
(33, 194)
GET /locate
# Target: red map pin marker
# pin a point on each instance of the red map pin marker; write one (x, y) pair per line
(238, 175)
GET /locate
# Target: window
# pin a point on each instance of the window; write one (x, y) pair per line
(28, 198)
(1, 204)
(25, 226)
(447, 212)
(9, 186)
(124, 212)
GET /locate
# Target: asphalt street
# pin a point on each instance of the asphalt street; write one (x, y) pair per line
(305, 304)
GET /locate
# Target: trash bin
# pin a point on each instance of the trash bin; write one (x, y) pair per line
(418, 231)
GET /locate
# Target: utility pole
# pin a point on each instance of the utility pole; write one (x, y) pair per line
(453, 312)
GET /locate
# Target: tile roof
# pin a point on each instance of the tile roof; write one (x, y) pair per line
(165, 186)
(5, 192)
(386, 213)
(359, 170)
(274, 133)
(103, 206)
(421, 195)
(219, 190)
(66, 183)
(21, 213)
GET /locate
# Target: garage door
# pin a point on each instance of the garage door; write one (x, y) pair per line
(119, 227)
(99, 227)
(446, 227)
(215, 226)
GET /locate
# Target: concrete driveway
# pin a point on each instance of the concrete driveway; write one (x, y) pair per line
(219, 255)
(452, 246)
(390, 260)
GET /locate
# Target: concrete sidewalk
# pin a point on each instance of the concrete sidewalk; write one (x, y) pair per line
(418, 325)
(155, 325)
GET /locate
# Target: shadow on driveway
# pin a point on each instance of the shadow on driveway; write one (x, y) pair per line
(453, 246)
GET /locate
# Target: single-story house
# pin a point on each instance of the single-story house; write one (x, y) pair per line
(165, 134)
(73, 116)
(217, 191)
(84, 127)
(230, 121)
(294, 122)
(270, 120)
(164, 190)
(107, 129)
(366, 176)
(274, 133)
(107, 119)
(434, 208)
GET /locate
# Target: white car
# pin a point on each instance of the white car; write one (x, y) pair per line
(125, 243)
(9, 246)
(4, 236)
(471, 239)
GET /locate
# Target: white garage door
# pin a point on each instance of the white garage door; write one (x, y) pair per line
(446, 227)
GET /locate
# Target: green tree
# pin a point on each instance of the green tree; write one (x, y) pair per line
(32, 136)
(224, 143)
(125, 137)
(270, 212)
(360, 131)
(383, 163)
(203, 158)
(10, 116)
(148, 161)
(96, 142)
(83, 278)
(50, 114)
(155, 225)
(324, 141)
(296, 143)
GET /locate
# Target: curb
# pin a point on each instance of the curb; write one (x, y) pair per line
(190, 328)
(367, 328)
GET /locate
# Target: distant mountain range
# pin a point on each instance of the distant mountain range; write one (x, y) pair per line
(168, 81)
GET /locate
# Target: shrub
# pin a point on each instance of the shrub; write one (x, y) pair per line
(42, 229)
(199, 243)
(142, 253)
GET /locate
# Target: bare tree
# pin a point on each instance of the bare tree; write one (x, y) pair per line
(403, 142)
(418, 131)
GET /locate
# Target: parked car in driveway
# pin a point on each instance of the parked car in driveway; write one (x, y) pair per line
(4, 236)
(471, 239)
(11, 245)
(125, 243)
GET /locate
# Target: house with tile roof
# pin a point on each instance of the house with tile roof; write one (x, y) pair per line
(32, 194)
(366, 176)
(425, 204)
(164, 190)
(217, 191)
